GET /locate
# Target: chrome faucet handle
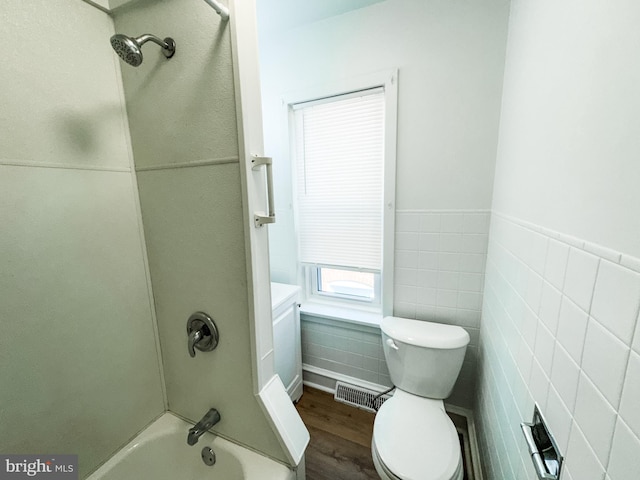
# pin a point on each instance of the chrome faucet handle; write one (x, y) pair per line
(202, 333)
(194, 337)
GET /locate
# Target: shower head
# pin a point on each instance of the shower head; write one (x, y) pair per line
(129, 48)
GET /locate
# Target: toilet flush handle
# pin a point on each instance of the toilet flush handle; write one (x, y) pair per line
(392, 344)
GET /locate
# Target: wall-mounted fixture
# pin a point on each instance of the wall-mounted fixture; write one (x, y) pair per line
(221, 9)
(202, 333)
(544, 451)
(130, 48)
(209, 420)
(259, 218)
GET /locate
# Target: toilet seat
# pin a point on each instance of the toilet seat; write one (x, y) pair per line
(414, 439)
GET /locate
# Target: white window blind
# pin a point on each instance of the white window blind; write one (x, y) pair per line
(340, 163)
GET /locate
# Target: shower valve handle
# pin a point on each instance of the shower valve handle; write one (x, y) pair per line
(202, 333)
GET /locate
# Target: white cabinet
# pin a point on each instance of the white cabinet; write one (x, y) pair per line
(287, 349)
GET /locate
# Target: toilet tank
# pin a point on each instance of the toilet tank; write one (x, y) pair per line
(424, 358)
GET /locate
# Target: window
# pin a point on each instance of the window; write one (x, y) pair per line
(339, 145)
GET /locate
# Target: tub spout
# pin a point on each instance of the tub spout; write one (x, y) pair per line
(209, 420)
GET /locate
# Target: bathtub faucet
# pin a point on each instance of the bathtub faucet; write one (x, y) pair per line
(209, 420)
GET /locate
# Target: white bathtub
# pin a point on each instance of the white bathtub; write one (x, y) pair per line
(161, 452)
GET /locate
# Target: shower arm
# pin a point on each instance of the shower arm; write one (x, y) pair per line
(221, 9)
(142, 39)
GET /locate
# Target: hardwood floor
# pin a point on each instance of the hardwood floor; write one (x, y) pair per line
(340, 447)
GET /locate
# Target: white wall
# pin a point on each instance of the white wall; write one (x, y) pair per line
(450, 58)
(562, 290)
(568, 143)
(79, 370)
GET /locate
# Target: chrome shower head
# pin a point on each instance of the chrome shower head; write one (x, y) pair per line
(129, 48)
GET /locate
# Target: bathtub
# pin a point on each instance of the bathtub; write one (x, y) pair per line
(161, 452)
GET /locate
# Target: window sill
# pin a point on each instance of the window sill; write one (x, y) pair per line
(341, 314)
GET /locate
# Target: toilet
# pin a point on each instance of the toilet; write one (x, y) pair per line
(413, 438)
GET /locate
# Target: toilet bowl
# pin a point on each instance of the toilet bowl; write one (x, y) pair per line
(413, 437)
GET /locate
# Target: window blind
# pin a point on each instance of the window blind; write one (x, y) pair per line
(339, 169)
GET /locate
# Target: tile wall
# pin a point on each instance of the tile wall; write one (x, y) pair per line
(559, 329)
(344, 348)
(439, 276)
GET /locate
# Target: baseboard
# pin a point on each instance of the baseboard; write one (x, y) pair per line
(330, 378)
(473, 438)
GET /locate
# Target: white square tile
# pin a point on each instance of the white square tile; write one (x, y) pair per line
(447, 298)
(476, 223)
(582, 461)
(469, 318)
(596, 418)
(556, 263)
(624, 463)
(630, 402)
(605, 361)
(580, 277)
(430, 223)
(558, 420)
(428, 260)
(544, 347)
(538, 384)
(407, 241)
(534, 291)
(407, 222)
(565, 375)
(449, 262)
(474, 243)
(404, 310)
(405, 294)
(529, 327)
(451, 242)
(429, 242)
(406, 276)
(538, 255)
(427, 296)
(472, 262)
(636, 340)
(572, 328)
(469, 300)
(524, 359)
(451, 222)
(427, 278)
(471, 282)
(446, 314)
(616, 299)
(448, 280)
(427, 312)
(550, 307)
(406, 259)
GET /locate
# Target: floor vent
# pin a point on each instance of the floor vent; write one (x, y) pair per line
(359, 397)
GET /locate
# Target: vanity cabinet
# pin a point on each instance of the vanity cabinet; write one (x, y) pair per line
(287, 348)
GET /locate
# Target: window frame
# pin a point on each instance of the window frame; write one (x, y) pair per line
(322, 296)
(388, 80)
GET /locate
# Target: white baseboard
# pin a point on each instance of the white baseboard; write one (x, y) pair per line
(473, 438)
(333, 377)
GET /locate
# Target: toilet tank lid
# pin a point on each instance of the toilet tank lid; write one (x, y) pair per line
(425, 334)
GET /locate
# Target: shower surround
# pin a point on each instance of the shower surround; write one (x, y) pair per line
(81, 345)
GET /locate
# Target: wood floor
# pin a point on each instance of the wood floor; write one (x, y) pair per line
(340, 446)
